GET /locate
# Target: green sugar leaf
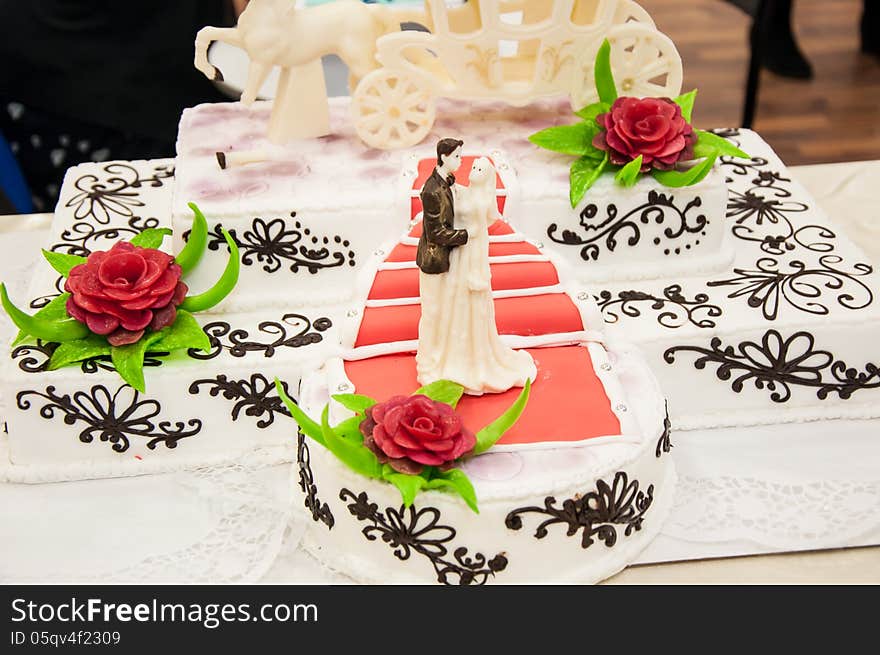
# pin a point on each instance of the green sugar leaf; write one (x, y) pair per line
(355, 456)
(62, 262)
(71, 352)
(408, 485)
(350, 429)
(223, 287)
(455, 480)
(129, 360)
(56, 310)
(309, 427)
(152, 237)
(429, 472)
(590, 112)
(489, 435)
(709, 144)
(198, 238)
(603, 75)
(629, 174)
(354, 402)
(686, 102)
(584, 173)
(442, 391)
(685, 178)
(55, 330)
(574, 139)
(185, 332)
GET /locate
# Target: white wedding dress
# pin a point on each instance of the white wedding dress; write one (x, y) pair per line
(458, 338)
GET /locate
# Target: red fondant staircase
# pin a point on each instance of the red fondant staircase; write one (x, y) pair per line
(568, 402)
(404, 283)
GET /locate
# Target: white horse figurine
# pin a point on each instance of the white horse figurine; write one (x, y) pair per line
(277, 33)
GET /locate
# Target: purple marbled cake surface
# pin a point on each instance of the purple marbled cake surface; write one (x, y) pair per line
(339, 167)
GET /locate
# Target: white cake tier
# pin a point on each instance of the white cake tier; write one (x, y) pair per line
(788, 333)
(199, 408)
(308, 213)
(643, 232)
(100, 204)
(572, 514)
(82, 421)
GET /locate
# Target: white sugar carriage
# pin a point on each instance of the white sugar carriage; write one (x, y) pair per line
(508, 50)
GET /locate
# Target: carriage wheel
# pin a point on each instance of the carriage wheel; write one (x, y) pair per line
(629, 11)
(391, 110)
(643, 60)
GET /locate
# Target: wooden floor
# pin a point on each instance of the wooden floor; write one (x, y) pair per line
(833, 117)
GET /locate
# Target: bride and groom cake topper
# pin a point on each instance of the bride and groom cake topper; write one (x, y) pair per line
(458, 338)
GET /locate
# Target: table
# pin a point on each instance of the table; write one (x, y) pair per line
(846, 191)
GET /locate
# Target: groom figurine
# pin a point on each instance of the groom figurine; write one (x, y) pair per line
(438, 239)
(439, 236)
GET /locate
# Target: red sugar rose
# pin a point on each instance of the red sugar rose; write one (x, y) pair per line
(123, 291)
(409, 433)
(651, 127)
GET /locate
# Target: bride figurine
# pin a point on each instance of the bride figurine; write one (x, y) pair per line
(460, 341)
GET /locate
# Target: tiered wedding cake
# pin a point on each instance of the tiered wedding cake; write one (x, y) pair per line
(737, 295)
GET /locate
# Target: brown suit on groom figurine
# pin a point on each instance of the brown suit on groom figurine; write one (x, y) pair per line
(439, 236)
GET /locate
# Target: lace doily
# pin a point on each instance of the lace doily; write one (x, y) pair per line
(210, 525)
(799, 486)
(776, 515)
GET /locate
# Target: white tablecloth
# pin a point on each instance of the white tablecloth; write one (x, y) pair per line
(749, 492)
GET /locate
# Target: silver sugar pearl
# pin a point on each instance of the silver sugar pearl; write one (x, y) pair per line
(343, 387)
(606, 366)
(583, 295)
(351, 313)
(539, 245)
(379, 253)
(620, 407)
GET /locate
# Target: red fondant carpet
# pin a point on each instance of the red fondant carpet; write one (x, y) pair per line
(568, 402)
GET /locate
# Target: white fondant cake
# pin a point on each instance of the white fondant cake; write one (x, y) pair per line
(771, 278)
(203, 408)
(316, 209)
(795, 310)
(744, 301)
(784, 334)
(84, 421)
(558, 515)
(744, 304)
